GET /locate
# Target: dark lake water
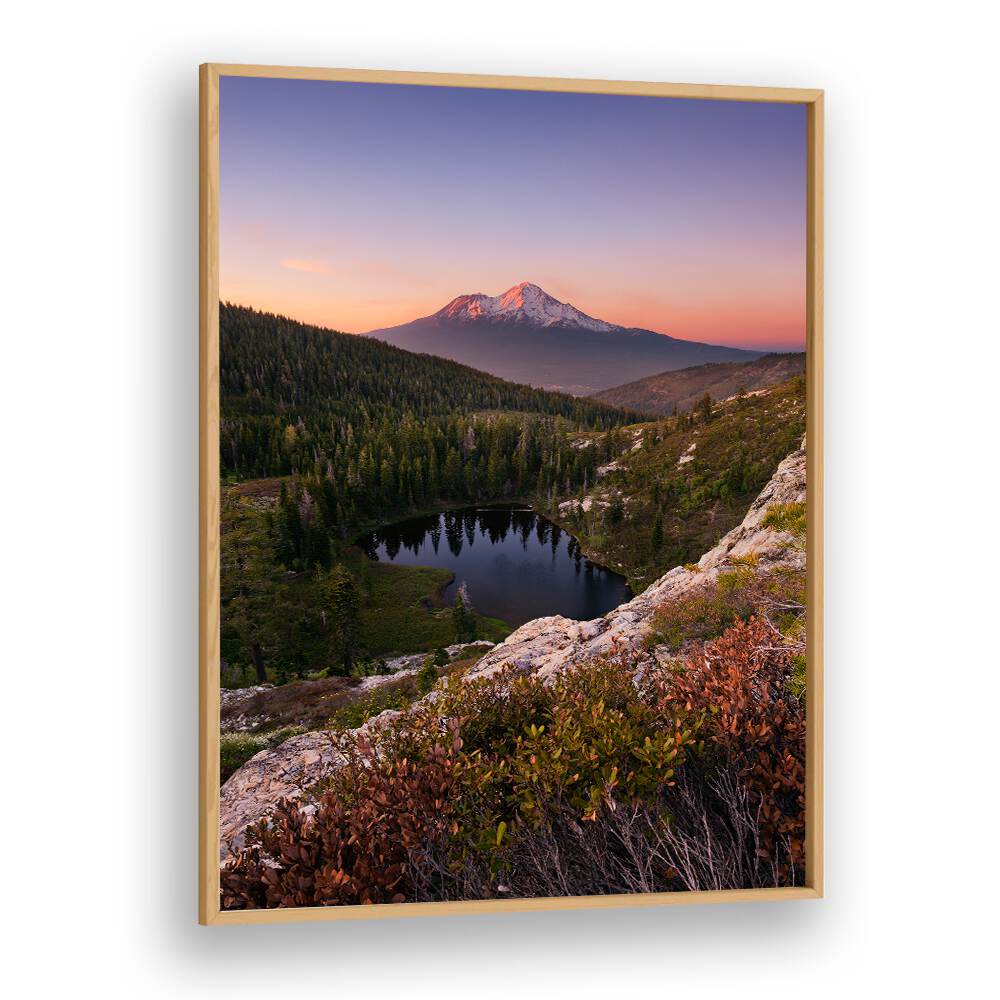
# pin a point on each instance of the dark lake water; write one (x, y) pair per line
(516, 565)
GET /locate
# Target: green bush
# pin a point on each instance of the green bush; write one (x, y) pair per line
(427, 676)
(391, 695)
(571, 745)
(790, 517)
(706, 611)
(797, 680)
(369, 667)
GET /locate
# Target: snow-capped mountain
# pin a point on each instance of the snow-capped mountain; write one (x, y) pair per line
(524, 303)
(525, 335)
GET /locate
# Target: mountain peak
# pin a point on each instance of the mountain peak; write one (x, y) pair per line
(523, 304)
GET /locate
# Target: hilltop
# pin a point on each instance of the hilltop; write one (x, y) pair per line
(678, 391)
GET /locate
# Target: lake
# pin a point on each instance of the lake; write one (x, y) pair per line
(516, 564)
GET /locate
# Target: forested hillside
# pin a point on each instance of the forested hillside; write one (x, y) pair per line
(323, 434)
(682, 482)
(331, 387)
(374, 430)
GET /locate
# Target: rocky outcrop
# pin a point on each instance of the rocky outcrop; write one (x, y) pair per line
(283, 773)
(544, 645)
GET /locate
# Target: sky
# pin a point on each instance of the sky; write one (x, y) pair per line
(361, 206)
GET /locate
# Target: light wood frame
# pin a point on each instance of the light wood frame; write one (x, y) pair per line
(209, 610)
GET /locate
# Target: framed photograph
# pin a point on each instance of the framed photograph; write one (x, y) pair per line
(511, 494)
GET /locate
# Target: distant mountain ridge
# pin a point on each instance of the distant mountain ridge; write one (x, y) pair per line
(527, 336)
(662, 392)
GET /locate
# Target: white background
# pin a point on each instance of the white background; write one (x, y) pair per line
(99, 361)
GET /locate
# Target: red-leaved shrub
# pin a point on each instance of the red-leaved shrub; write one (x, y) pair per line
(603, 780)
(738, 686)
(354, 844)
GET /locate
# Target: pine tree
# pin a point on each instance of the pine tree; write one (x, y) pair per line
(658, 533)
(463, 615)
(705, 407)
(342, 598)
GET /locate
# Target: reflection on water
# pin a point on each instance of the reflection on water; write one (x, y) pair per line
(515, 564)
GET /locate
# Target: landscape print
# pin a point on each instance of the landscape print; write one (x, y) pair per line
(513, 494)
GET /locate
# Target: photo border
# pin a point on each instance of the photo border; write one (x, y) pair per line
(209, 910)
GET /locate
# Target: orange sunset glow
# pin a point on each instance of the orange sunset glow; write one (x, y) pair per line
(358, 209)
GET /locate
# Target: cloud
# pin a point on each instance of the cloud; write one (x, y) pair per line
(309, 266)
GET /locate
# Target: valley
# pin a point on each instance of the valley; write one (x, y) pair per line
(325, 436)
(610, 719)
(424, 439)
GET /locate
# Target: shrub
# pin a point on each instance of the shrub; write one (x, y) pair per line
(588, 737)
(597, 780)
(602, 738)
(373, 667)
(395, 695)
(493, 711)
(751, 791)
(701, 613)
(797, 680)
(601, 800)
(790, 517)
(427, 676)
(355, 844)
(706, 611)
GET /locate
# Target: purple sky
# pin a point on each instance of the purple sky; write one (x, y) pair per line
(360, 206)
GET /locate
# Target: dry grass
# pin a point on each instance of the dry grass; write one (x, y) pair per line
(301, 703)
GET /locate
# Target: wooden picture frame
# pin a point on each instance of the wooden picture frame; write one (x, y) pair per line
(209, 493)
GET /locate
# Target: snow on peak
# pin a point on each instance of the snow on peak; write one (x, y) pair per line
(524, 303)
